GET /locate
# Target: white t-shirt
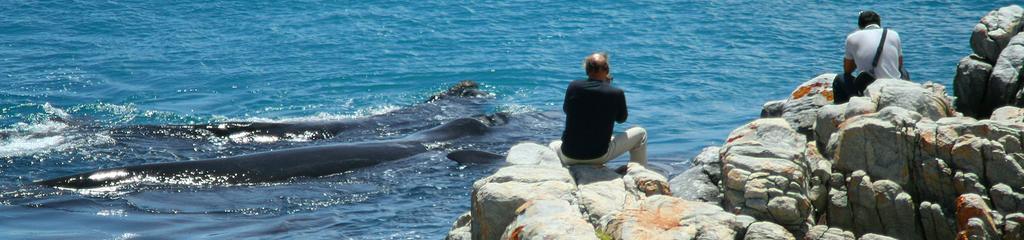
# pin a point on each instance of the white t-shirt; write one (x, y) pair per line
(862, 45)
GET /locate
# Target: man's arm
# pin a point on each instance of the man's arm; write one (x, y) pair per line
(623, 113)
(849, 65)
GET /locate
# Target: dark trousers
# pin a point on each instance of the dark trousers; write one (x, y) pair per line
(845, 86)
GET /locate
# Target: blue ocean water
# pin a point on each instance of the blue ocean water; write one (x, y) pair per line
(692, 71)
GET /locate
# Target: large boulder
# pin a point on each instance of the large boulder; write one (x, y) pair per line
(765, 174)
(601, 191)
(642, 182)
(666, 217)
(767, 231)
(974, 218)
(882, 144)
(880, 207)
(1004, 83)
(969, 86)
(1008, 114)
(495, 198)
(994, 31)
(824, 232)
(460, 228)
(872, 207)
(935, 223)
(928, 100)
(801, 108)
(700, 181)
(529, 153)
(549, 219)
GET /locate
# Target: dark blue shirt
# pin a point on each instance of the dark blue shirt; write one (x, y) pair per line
(591, 109)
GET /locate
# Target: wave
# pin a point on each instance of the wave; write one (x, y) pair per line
(46, 131)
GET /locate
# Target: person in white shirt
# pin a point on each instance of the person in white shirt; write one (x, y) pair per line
(864, 54)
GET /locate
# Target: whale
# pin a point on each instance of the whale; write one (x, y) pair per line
(311, 161)
(463, 93)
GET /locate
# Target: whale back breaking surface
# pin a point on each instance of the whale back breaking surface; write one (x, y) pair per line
(312, 161)
(460, 98)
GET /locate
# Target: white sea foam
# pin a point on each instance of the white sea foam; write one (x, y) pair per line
(323, 116)
(54, 134)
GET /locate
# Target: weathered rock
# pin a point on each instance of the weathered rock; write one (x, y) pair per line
(549, 219)
(934, 222)
(1008, 114)
(665, 217)
(801, 109)
(1005, 199)
(601, 191)
(821, 175)
(840, 212)
(767, 230)
(642, 183)
(973, 218)
(969, 84)
(700, 182)
(910, 96)
(882, 144)
(1004, 83)
(994, 31)
(460, 228)
(529, 153)
(772, 109)
(859, 106)
(823, 232)
(879, 207)
(765, 174)
(827, 123)
(1013, 226)
(495, 198)
(872, 236)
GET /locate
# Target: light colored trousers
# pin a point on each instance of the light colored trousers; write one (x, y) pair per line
(633, 140)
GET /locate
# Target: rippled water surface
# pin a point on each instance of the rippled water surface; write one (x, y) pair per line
(75, 72)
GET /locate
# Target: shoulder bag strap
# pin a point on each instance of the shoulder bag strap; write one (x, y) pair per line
(878, 53)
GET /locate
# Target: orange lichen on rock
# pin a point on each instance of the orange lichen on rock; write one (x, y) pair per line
(970, 206)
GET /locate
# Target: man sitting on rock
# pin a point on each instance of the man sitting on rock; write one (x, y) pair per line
(875, 52)
(592, 106)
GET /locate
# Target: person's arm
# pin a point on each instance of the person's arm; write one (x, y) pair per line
(899, 48)
(623, 113)
(848, 64)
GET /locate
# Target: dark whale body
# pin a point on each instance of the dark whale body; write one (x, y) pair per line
(460, 94)
(279, 165)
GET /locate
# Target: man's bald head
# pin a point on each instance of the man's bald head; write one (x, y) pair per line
(597, 65)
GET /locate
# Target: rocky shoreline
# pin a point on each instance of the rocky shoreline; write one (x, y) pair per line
(899, 163)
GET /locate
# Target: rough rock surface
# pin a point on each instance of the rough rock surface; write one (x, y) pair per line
(767, 230)
(1008, 114)
(532, 154)
(1004, 84)
(765, 174)
(923, 99)
(601, 191)
(666, 217)
(800, 109)
(549, 219)
(969, 84)
(495, 198)
(994, 31)
(824, 232)
(700, 182)
(460, 228)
